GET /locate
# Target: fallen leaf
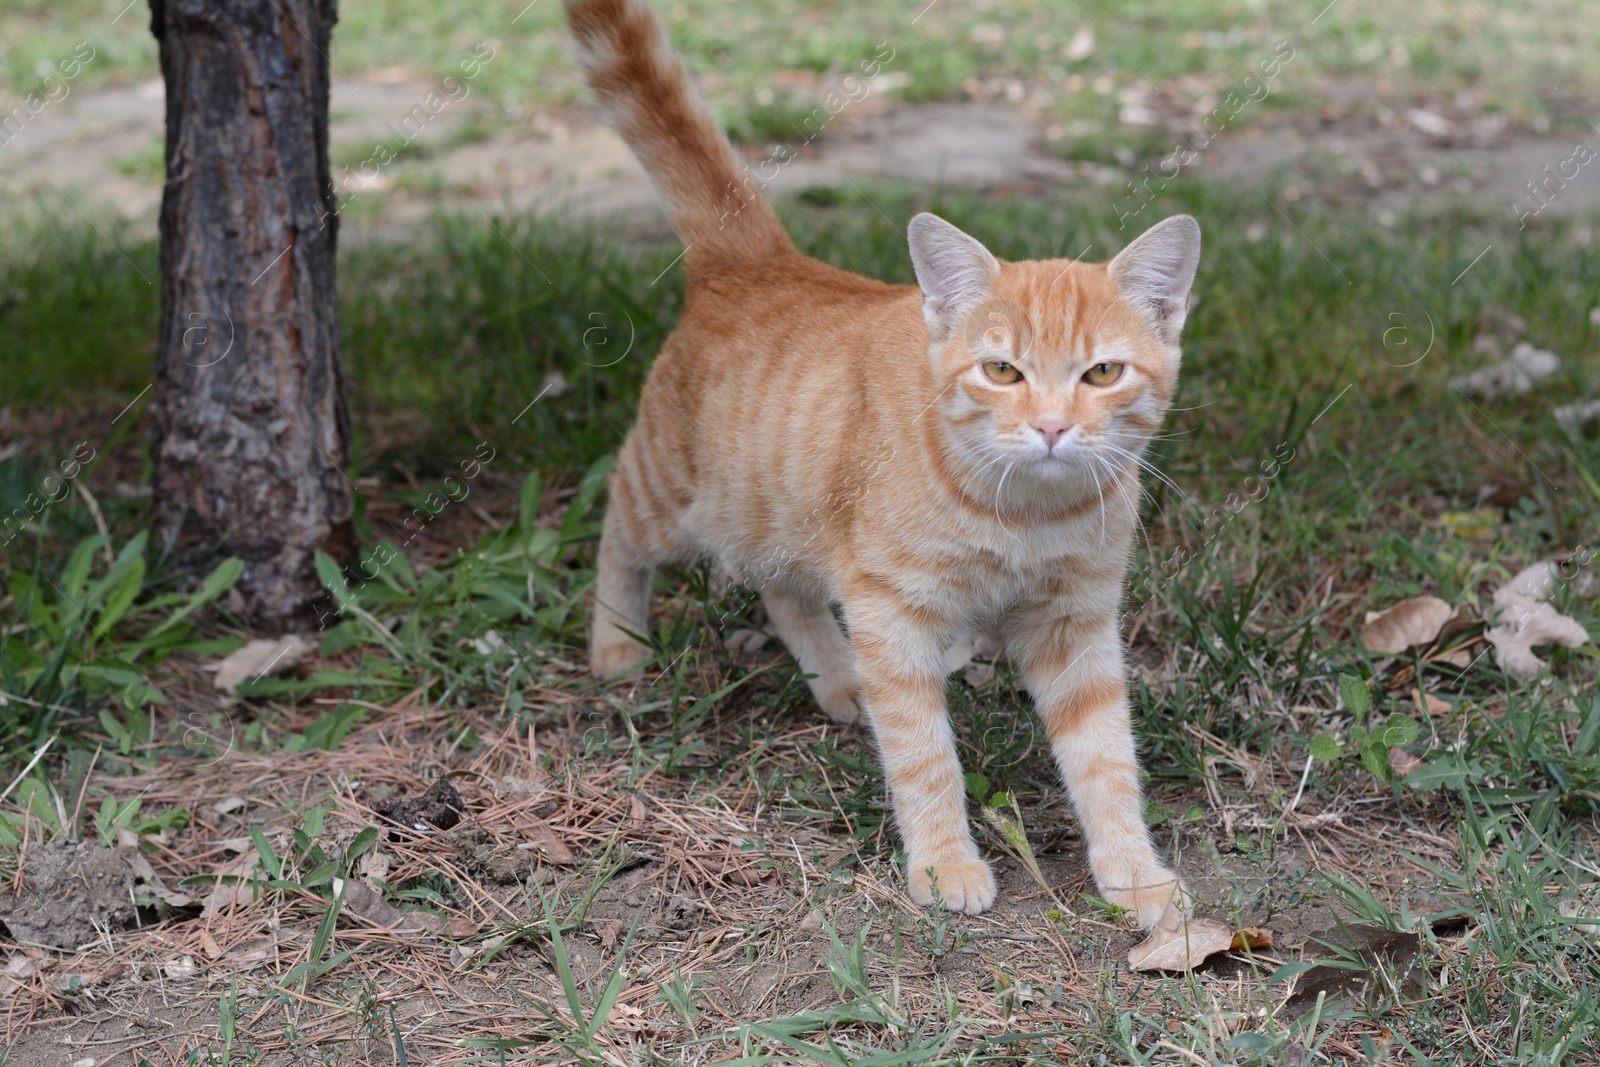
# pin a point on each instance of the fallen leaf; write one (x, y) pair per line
(367, 903)
(547, 842)
(227, 805)
(1524, 620)
(1519, 372)
(209, 946)
(240, 889)
(1182, 949)
(1250, 937)
(1403, 762)
(1408, 624)
(253, 952)
(145, 873)
(1463, 622)
(636, 812)
(375, 866)
(608, 931)
(745, 875)
(1475, 525)
(1570, 908)
(1536, 582)
(461, 955)
(259, 658)
(1428, 704)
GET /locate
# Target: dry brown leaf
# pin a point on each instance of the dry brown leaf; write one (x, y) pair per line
(241, 891)
(209, 946)
(545, 840)
(1182, 949)
(636, 812)
(1403, 762)
(1409, 623)
(147, 874)
(1428, 704)
(253, 952)
(609, 931)
(260, 658)
(745, 875)
(367, 903)
(1251, 937)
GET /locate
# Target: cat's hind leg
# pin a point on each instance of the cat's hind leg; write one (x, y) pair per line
(642, 530)
(812, 635)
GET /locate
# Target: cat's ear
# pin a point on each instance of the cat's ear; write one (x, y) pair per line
(953, 269)
(1155, 273)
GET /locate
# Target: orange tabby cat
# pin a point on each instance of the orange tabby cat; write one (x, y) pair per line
(935, 460)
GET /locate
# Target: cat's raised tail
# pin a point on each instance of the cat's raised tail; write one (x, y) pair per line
(711, 199)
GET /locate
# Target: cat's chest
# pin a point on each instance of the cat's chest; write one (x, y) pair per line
(979, 569)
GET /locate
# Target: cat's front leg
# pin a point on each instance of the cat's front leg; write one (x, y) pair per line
(1075, 673)
(900, 659)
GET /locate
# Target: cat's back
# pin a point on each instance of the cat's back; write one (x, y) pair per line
(793, 300)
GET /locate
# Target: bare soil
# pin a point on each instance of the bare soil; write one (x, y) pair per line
(1384, 155)
(68, 894)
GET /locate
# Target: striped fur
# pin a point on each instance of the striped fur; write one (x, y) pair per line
(834, 440)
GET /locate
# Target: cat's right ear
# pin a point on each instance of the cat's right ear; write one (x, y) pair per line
(1156, 271)
(954, 271)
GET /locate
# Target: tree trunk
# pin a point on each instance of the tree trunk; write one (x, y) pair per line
(251, 433)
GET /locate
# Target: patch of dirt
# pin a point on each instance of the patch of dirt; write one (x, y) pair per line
(480, 855)
(1383, 154)
(727, 899)
(70, 894)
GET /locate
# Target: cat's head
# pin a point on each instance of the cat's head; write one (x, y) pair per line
(1053, 373)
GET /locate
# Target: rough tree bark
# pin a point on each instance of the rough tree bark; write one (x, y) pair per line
(251, 432)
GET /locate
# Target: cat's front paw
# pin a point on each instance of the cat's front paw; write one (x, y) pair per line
(1155, 897)
(965, 883)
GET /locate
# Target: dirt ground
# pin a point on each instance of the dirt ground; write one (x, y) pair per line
(101, 150)
(725, 889)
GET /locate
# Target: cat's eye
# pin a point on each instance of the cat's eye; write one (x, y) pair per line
(1002, 373)
(1103, 373)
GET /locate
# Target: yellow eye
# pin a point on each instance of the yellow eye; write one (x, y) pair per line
(1103, 373)
(1002, 373)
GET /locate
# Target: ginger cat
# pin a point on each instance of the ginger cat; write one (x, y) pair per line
(956, 456)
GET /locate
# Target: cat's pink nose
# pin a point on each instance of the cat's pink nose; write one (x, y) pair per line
(1051, 430)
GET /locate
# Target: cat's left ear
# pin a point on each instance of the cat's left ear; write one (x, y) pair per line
(1155, 273)
(954, 271)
